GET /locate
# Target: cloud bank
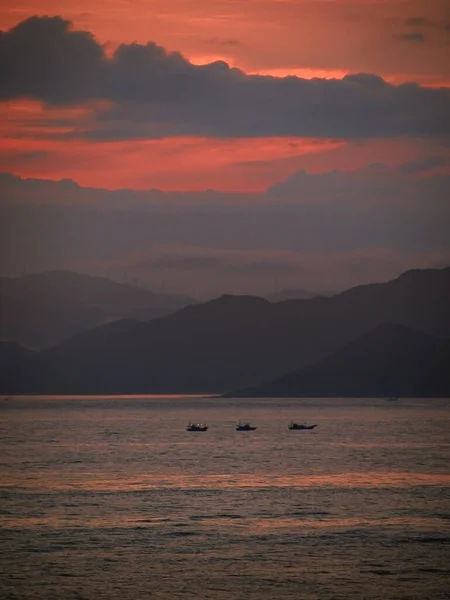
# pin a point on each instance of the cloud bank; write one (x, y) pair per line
(155, 93)
(322, 231)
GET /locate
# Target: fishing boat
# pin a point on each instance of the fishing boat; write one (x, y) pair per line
(245, 427)
(300, 426)
(196, 427)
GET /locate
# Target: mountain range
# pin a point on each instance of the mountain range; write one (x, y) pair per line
(389, 360)
(234, 342)
(43, 309)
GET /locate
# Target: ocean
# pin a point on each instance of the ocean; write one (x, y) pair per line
(110, 498)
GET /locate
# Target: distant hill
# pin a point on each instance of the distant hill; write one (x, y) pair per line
(235, 342)
(390, 360)
(12, 355)
(43, 309)
(295, 294)
(19, 364)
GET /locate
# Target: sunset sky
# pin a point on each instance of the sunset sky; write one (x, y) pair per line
(241, 97)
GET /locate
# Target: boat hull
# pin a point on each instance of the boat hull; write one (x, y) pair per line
(245, 427)
(196, 427)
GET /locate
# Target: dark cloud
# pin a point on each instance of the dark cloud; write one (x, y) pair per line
(163, 92)
(420, 23)
(416, 21)
(426, 164)
(24, 156)
(411, 37)
(321, 211)
(222, 42)
(42, 58)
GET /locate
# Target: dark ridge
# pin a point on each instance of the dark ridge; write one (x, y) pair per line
(389, 360)
(235, 342)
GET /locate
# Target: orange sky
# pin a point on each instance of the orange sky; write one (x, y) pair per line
(308, 38)
(304, 37)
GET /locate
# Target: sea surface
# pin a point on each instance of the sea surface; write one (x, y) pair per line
(110, 498)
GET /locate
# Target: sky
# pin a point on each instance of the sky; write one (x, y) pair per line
(293, 142)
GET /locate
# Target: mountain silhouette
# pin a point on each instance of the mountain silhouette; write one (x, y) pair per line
(12, 355)
(43, 309)
(235, 342)
(389, 360)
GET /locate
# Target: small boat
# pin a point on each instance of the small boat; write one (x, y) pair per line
(300, 426)
(245, 427)
(392, 399)
(196, 427)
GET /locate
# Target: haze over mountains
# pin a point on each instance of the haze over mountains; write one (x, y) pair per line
(318, 231)
(235, 342)
(43, 309)
(296, 294)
